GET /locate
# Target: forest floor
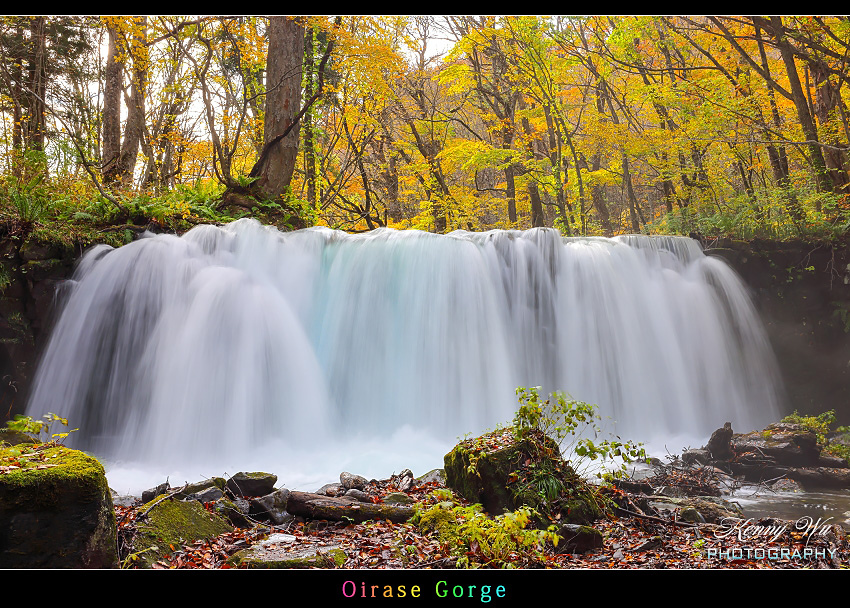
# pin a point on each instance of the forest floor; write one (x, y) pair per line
(630, 542)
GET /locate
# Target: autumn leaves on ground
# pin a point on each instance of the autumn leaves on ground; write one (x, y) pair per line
(532, 510)
(630, 542)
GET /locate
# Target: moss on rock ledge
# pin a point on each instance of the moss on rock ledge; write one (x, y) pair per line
(55, 510)
(173, 522)
(503, 472)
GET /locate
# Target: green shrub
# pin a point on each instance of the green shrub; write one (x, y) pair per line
(563, 419)
(821, 426)
(477, 540)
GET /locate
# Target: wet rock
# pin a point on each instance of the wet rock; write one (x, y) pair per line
(696, 456)
(331, 489)
(719, 445)
(578, 539)
(712, 509)
(692, 515)
(785, 443)
(251, 484)
(350, 481)
(283, 551)
(272, 507)
(398, 498)
(149, 495)
(59, 516)
(821, 477)
(235, 511)
(125, 500)
(786, 485)
(434, 476)
(174, 522)
(485, 470)
(199, 486)
(210, 494)
(832, 462)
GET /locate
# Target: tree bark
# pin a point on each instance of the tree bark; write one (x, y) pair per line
(37, 84)
(111, 125)
(802, 106)
(283, 103)
(309, 142)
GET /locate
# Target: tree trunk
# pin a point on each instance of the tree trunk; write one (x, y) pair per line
(283, 103)
(598, 198)
(309, 143)
(125, 166)
(37, 85)
(826, 106)
(111, 127)
(802, 106)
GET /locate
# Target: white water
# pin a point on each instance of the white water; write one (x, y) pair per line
(313, 352)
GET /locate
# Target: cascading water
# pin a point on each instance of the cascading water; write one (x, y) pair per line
(312, 352)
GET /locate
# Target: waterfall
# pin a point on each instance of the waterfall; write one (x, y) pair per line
(241, 344)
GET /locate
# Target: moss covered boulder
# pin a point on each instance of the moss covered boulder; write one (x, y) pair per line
(168, 522)
(55, 510)
(503, 472)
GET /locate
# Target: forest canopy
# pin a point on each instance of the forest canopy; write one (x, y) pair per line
(598, 125)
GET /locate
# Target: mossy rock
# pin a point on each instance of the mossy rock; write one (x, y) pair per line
(490, 469)
(55, 511)
(8, 437)
(479, 469)
(173, 522)
(441, 520)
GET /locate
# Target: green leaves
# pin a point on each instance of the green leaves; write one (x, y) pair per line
(39, 430)
(560, 417)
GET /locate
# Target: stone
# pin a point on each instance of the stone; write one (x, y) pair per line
(486, 469)
(719, 445)
(437, 476)
(235, 511)
(696, 456)
(786, 444)
(331, 489)
(832, 462)
(149, 495)
(786, 485)
(10, 437)
(125, 500)
(578, 539)
(200, 486)
(349, 481)
(210, 494)
(251, 484)
(712, 509)
(282, 551)
(34, 250)
(399, 498)
(173, 522)
(272, 507)
(59, 516)
(692, 515)
(821, 477)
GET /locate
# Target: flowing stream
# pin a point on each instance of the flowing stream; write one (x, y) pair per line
(313, 352)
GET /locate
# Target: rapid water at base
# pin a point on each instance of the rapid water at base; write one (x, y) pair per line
(312, 352)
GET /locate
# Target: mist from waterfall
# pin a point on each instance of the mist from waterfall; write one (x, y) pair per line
(312, 352)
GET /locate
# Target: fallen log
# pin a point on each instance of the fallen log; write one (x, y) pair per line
(316, 506)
